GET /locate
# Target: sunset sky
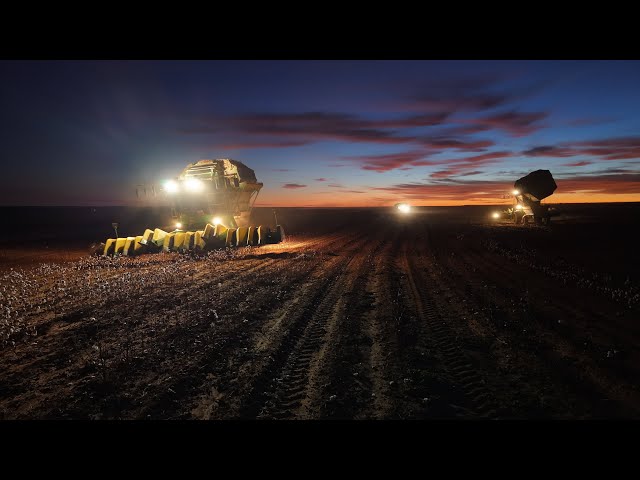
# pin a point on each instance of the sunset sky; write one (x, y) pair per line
(321, 133)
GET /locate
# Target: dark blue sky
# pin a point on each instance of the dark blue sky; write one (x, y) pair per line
(321, 132)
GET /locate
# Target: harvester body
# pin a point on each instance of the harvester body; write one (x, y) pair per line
(211, 207)
(222, 188)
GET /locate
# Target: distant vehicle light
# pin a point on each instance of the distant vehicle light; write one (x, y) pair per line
(404, 207)
(496, 215)
(193, 185)
(516, 192)
(216, 221)
(178, 225)
(519, 207)
(171, 186)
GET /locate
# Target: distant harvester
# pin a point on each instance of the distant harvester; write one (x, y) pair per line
(529, 191)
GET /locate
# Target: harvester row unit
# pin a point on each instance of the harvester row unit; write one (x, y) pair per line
(212, 237)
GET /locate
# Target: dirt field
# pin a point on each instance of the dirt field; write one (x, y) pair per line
(358, 315)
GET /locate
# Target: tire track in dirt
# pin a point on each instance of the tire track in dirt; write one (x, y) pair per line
(280, 389)
(266, 340)
(518, 375)
(223, 387)
(410, 374)
(217, 351)
(469, 393)
(530, 366)
(561, 344)
(380, 325)
(343, 362)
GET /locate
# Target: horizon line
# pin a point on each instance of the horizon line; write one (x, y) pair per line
(314, 206)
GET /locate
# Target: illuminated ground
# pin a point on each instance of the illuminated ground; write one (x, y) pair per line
(362, 317)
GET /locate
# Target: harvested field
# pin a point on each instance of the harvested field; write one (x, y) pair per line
(364, 316)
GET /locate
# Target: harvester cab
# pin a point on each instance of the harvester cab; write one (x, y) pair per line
(211, 208)
(529, 191)
(222, 189)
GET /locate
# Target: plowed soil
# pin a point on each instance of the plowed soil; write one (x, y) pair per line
(368, 316)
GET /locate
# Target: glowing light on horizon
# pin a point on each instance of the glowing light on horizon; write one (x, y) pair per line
(404, 207)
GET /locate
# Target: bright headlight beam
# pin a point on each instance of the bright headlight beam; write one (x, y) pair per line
(519, 207)
(178, 225)
(171, 186)
(193, 185)
(496, 215)
(216, 221)
(516, 192)
(404, 208)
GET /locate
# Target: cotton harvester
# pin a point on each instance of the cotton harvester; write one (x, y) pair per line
(528, 192)
(211, 206)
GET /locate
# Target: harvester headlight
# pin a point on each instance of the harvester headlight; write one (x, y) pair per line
(193, 185)
(495, 215)
(216, 221)
(404, 207)
(178, 225)
(171, 186)
(519, 207)
(516, 192)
